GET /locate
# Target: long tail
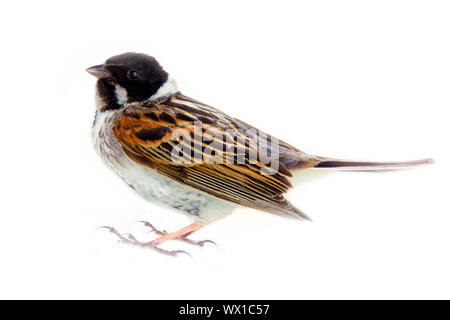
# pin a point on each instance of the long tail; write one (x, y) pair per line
(370, 166)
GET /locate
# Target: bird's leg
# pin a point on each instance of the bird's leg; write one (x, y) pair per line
(180, 234)
(130, 239)
(182, 237)
(164, 236)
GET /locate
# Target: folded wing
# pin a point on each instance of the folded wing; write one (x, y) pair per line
(205, 149)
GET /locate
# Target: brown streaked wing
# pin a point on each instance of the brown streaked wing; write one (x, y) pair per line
(147, 135)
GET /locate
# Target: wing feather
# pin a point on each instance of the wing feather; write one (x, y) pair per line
(155, 135)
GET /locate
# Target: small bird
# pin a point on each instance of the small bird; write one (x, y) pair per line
(184, 154)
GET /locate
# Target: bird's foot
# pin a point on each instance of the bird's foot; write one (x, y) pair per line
(183, 238)
(131, 240)
(164, 236)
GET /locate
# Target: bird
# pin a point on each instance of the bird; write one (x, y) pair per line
(181, 153)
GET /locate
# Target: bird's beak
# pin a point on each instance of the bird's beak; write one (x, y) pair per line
(99, 72)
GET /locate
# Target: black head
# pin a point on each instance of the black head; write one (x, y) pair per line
(127, 78)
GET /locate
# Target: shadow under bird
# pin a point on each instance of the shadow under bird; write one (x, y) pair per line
(184, 154)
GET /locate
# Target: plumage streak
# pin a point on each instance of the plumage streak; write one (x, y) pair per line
(151, 143)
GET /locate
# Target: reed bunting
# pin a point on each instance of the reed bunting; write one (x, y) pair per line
(184, 154)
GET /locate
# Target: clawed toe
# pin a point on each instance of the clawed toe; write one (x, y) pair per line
(199, 243)
(208, 241)
(130, 237)
(114, 231)
(153, 228)
(173, 253)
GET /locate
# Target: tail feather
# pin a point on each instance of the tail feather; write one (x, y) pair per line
(370, 166)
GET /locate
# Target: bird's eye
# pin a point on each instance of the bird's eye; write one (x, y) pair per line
(132, 75)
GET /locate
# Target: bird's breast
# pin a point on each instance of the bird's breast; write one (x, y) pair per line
(149, 183)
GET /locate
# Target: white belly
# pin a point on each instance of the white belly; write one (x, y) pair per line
(150, 184)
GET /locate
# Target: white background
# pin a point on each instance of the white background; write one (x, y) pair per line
(365, 80)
